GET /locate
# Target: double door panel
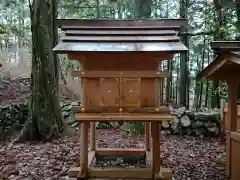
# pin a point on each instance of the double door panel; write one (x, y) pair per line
(119, 92)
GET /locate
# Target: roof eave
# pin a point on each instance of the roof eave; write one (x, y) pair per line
(114, 22)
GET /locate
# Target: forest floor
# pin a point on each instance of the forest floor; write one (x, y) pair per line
(189, 158)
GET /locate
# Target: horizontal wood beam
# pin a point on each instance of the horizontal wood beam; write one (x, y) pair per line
(114, 39)
(73, 172)
(225, 45)
(161, 109)
(235, 136)
(121, 33)
(119, 152)
(127, 74)
(123, 173)
(124, 117)
(164, 174)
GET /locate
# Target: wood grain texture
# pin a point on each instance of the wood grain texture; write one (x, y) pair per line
(124, 117)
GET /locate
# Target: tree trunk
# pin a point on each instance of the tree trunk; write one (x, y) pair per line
(143, 9)
(207, 83)
(98, 9)
(45, 119)
(177, 84)
(169, 82)
(184, 59)
(202, 67)
(237, 7)
(219, 35)
(196, 93)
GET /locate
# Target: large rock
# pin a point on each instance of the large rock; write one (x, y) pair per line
(174, 124)
(185, 121)
(165, 124)
(194, 122)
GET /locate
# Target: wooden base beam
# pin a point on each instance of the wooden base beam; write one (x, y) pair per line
(164, 173)
(73, 172)
(119, 152)
(124, 173)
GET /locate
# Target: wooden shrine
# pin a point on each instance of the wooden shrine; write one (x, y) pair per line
(226, 67)
(121, 79)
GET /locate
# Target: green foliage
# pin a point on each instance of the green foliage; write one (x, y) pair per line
(134, 128)
(15, 21)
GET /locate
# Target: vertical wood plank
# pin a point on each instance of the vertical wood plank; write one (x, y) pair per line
(160, 91)
(155, 148)
(222, 131)
(84, 149)
(147, 136)
(92, 136)
(232, 120)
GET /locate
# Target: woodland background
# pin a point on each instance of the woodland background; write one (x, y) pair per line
(37, 92)
(28, 33)
(208, 20)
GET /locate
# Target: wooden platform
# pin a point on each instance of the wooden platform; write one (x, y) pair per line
(122, 173)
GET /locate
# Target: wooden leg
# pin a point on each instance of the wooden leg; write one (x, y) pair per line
(155, 148)
(84, 151)
(223, 123)
(92, 136)
(232, 120)
(147, 136)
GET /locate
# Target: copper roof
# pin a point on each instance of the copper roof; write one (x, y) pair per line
(120, 36)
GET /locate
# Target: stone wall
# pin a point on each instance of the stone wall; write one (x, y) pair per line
(13, 116)
(204, 122)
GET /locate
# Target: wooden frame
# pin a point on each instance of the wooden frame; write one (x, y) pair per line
(161, 109)
(121, 82)
(152, 158)
(226, 67)
(122, 74)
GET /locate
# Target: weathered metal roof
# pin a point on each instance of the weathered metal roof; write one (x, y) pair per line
(221, 46)
(120, 36)
(122, 23)
(227, 63)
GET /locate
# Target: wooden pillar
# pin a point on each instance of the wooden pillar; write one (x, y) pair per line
(232, 120)
(84, 150)
(223, 122)
(147, 136)
(155, 148)
(92, 136)
(161, 91)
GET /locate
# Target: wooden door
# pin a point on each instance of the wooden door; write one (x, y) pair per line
(109, 90)
(91, 98)
(148, 92)
(131, 92)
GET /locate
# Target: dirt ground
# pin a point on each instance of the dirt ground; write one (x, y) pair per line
(190, 158)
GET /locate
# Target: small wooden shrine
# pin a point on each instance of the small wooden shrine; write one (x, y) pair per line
(121, 79)
(226, 67)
